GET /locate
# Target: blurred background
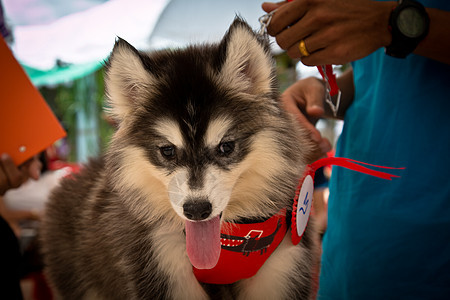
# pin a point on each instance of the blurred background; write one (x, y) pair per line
(62, 46)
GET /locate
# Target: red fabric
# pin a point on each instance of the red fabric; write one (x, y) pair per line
(245, 248)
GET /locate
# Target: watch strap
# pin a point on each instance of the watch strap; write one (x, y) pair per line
(401, 45)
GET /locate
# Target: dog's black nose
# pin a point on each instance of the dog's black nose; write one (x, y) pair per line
(197, 210)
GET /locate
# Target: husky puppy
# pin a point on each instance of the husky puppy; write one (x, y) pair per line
(202, 141)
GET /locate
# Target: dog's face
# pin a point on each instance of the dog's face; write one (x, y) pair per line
(201, 135)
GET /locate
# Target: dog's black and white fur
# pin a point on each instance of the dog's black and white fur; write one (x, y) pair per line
(195, 125)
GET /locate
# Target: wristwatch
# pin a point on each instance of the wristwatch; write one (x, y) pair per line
(409, 24)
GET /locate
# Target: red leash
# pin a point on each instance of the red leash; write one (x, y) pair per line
(329, 77)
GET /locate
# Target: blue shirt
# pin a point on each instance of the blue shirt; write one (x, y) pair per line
(391, 239)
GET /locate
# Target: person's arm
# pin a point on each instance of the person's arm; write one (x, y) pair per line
(338, 32)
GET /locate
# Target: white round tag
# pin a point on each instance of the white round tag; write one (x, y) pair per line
(304, 204)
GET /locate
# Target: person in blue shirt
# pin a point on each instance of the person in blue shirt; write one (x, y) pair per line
(385, 240)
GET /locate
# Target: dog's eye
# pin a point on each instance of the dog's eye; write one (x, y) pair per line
(167, 152)
(226, 148)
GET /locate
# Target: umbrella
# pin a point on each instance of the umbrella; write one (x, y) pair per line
(84, 37)
(199, 21)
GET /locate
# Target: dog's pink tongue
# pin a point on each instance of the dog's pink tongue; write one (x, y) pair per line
(203, 243)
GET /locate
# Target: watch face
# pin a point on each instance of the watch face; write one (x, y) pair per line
(410, 22)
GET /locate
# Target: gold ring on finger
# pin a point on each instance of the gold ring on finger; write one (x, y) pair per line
(302, 47)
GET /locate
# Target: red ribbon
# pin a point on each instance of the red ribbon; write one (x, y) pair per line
(353, 165)
(337, 161)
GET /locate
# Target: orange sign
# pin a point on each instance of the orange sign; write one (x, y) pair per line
(27, 124)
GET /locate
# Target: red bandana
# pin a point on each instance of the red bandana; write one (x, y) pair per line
(245, 247)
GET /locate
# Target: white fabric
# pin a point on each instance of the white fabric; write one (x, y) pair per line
(89, 35)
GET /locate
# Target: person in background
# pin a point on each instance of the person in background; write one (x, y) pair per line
(12, 176)
(384, 240)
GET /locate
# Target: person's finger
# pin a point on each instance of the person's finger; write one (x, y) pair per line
(13, 175)
(285, 16)
(324, 57)
(311, 45)
(325, 146)
(315, 110)
(33, 168)
(291, 107)
(314, 105)
(4, 183)
(309, 101)
(301, 29)
(270, 6)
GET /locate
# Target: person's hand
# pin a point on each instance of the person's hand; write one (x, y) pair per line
(334, 31)
(12, 176)
(304, 99)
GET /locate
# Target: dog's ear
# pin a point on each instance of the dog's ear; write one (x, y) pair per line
(246, 59)
(127, 82)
